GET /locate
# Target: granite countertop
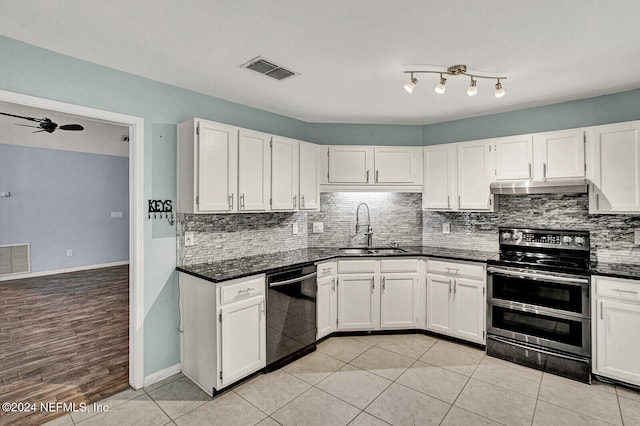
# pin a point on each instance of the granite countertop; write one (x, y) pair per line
(224, 270)
(617, 270)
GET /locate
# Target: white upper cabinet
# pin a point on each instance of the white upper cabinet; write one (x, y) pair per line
(394, 165)
(559, 155)
(254, 171)
(514, 158)
(361, 166)
(284, 174)
(350, 164)
(309, 167)
(439, 187)
(207, 167)
(614, 168)
(474, 169)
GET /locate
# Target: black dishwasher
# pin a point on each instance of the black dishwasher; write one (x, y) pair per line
(291, 315)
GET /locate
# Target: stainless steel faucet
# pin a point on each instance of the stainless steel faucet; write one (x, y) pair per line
(369, 232)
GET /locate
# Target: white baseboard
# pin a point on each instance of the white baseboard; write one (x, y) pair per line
(161, 375)
(60, 271)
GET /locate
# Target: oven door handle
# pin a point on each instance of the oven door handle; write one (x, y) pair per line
(292, 280)
(537, 349)
(550, 278)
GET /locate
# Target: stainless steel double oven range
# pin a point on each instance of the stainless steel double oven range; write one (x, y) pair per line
(538, 309)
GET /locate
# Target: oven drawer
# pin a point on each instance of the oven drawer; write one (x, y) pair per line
(475, 270)
(242, 289)
(618, 288)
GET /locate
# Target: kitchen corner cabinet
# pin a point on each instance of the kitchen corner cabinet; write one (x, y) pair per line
(377, 294)
(456, 299)
(474, 176)
(614, 168)
(223, 330)
(284, 174)
(374, 166)
(309, 167)
(254, 170)
(207, 167)
(326, 299)
(616, 315)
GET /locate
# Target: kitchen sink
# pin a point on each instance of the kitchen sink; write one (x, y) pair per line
(371, 251)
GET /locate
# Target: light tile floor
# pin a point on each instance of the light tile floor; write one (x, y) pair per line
(408, 379)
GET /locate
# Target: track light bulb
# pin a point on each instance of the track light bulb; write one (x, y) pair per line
(499, 90)
(472, 90)
(440, 88)
(411, 84)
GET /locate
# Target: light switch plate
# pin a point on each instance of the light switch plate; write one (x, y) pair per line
(636, 237)
(446, 228)
(189, 238)
(318, 227)
(294, 228)
(116, 215)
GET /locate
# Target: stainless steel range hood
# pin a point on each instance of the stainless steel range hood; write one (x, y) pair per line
(561, 186)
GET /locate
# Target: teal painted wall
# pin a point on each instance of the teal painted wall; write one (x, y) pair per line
(38, 72)
(614, 108)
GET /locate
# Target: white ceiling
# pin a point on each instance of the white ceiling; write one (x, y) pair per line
(351, 53)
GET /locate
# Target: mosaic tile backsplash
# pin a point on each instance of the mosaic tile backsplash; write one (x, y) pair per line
(398, 217)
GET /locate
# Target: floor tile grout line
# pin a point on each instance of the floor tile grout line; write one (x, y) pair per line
(158, 405)
(578, 412)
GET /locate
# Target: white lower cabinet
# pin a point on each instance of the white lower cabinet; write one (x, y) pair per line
(456, 299)
(326, 299)
(377, 294)
(616, 314)
(223, 330)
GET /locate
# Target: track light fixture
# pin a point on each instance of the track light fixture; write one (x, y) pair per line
(455, 70)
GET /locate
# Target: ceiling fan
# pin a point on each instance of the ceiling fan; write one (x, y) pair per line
(45, 124)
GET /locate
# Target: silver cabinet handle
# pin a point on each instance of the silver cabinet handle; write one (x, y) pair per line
(302, 201)
(455, 286)
(333, 285)
(384, 283)
(294, 201)
(448, 201)
(231, 201)
(449, 286)
(373, 284)
(529, 169)
(327, 269)
(367, 176)
(459, 202)
(376, 176)
(597, 201)
(246, 290)
(601, 310)
(242, 201)
(625, 291)
(544, 170)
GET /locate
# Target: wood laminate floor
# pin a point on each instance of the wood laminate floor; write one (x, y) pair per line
(63, 338)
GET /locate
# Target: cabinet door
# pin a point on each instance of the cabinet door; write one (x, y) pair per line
(617, 345)
(242, 339)
(326, 306)
(439, 177)
(394, 165)
(514, 158)
(439, 292)
(253, 171)
(399, 301)
(284, 174)
(615, 172)
(350, 164)
(474, 168)
(309, 177)
(468, 309)
(356, 302)
(217, 167)
(559, 155)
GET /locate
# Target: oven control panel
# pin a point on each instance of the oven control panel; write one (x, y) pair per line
(574, 240)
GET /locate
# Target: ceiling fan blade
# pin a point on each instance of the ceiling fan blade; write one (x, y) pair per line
(71, 127)
(37, 120)
(26, 125)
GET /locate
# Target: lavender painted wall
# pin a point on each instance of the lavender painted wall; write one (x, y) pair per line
(63, 200)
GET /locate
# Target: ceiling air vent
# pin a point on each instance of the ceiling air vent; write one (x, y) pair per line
(268, 68)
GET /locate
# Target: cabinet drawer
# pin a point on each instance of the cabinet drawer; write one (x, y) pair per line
(326, 269)
(356, 266)
(618, 288)
(241, 289)
(399, 265)
(475, 270)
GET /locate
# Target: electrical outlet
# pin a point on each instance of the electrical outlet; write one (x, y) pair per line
(116, 215)
(636, 237)
(318, 227)
(446, 228)
(294, 228)
(69, 252)
(189, 238)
